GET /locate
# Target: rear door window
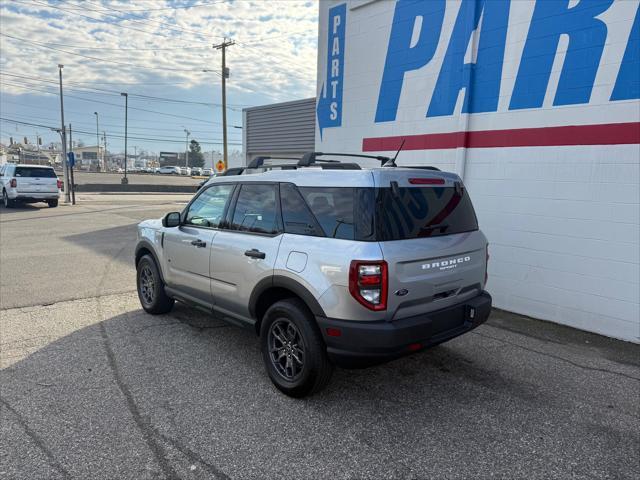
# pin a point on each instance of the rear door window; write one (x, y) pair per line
(256, 209)
(35, 172)
(423, 212)
(333, 208)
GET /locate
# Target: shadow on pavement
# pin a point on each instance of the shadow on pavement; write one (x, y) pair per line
(184, 396)
(115, 242)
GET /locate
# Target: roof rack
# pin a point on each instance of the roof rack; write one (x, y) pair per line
(231, 171)
(259, 161)
(311, 158)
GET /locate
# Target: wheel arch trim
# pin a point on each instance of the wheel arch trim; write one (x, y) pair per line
(280, 281)
(146, 245)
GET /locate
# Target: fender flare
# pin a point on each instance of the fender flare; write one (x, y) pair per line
(148, 246)
(290, 284)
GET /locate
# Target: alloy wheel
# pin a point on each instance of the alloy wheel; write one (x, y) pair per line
(147, 285)
(286, 349)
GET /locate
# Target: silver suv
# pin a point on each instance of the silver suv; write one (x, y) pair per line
(329, 263)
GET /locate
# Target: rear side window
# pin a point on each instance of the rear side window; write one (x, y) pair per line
(423, 212)
(296, 215)
(256, 209)
(333, 208)
(35, 172)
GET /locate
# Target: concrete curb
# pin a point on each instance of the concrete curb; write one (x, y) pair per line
(134, 188)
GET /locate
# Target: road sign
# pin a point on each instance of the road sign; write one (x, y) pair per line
(71, 158)
(220, 166)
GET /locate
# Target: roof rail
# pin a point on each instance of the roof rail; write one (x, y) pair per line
(311, 158)
(259, 161)
(231, 171)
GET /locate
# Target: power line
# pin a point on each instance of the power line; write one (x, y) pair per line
(114, 92)
(114, 104)
(43, 45)
(10, 120)
(75, 112)
(88, 124)
(148, 21)
(176, 7)
(55, 7)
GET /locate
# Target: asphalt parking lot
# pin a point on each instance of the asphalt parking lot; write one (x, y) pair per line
(92, 387)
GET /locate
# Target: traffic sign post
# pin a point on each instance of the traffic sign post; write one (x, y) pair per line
(71, 161)
(220, 166)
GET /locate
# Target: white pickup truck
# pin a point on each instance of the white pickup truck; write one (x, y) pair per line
(28, 184)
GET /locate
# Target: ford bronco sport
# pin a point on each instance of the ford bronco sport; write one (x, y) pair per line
(329, 263)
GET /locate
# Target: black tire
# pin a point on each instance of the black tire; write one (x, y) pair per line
(6, 201)
(151, 292)
(52, 203)
(315, 370)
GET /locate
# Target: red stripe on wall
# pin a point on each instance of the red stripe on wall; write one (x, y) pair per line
(604, 134)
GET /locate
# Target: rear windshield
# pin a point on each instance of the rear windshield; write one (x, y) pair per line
(376, 214)
(35, 172)
(423, 212)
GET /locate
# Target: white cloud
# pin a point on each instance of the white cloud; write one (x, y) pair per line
(274, 58)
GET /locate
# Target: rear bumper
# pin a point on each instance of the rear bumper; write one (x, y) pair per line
(362, 344)
(35, 196)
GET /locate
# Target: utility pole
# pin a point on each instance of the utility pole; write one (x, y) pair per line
(72, 183)
(225, 74)
(125, 180)
(63, 133)
(186, 148)
(99, 159)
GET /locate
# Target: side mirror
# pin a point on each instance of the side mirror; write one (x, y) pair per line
(171, 220)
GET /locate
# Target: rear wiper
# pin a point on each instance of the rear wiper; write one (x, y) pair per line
(441, 226)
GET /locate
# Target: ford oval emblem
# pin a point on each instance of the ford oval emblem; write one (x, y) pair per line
(402, 292)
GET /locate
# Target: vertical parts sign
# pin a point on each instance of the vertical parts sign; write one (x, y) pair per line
(329, 109)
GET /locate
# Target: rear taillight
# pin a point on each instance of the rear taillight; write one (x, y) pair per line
(368, 283)
(13, 183)
(59, 184)
(486, 266)
(426, 181)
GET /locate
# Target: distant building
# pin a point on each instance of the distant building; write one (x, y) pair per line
(89, 158)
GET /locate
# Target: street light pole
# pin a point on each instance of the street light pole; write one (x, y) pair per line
(186, 152)
(63, 133)
(99, 158)
(125, 180)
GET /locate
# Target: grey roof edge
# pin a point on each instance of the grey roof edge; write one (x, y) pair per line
(281, 104)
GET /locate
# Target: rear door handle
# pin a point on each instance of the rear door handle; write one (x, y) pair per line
(199, 243)
(254, 253)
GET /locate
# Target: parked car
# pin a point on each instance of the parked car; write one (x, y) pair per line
(196, 171)
(185, 171)
(169, 170)
(207, 172)
(29, 184)
(332, 265)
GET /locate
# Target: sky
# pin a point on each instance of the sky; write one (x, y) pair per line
(160, 53)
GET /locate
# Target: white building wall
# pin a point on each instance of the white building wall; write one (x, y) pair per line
(563, 222)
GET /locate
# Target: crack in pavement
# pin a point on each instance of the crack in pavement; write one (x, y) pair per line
(557, 357)
(72, 299)
(53, 461)
(156, 449)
